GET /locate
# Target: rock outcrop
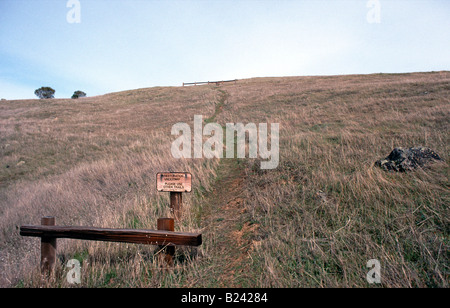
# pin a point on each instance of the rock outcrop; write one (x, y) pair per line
(408, 159)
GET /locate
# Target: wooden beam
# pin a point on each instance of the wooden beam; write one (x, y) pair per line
(167, 224)
(176, 204)
(149, 237)
(48, 247)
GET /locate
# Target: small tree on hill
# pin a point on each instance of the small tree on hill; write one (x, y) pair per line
(78, 94)
(45, 92)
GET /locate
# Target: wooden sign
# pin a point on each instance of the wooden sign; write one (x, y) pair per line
(174, 181)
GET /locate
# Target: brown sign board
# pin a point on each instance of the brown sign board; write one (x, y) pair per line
(174, 181)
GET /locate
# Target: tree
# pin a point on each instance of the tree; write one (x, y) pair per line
(45, 92)
(78, 94)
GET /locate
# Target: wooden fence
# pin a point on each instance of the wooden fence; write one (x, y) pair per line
(207, 82)
(164, 237)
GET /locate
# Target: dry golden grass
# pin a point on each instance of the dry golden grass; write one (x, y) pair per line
(326, 211)
(90, 162)
(314, 221)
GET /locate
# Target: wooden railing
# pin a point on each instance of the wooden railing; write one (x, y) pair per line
(164, 237)
(207, 82)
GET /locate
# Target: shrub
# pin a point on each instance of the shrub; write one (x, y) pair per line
(78, 94)
(45, 92)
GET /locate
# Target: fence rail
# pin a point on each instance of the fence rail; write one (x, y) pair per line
(148, 237)
(164, 237)
(207, 82)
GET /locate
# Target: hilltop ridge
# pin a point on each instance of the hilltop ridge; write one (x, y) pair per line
(315, 220)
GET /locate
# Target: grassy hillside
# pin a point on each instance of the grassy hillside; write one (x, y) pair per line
(314, 221)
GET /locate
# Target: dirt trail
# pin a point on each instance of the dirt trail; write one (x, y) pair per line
(227, 224)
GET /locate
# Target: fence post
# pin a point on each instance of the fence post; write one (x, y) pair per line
(48, 247)
(176, 204)
(167, 224)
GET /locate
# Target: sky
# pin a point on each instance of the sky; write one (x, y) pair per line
(103, 46)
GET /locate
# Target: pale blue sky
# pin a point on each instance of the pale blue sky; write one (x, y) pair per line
(129, 44)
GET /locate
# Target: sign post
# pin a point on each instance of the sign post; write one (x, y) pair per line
(176, 183)
(167, 224)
